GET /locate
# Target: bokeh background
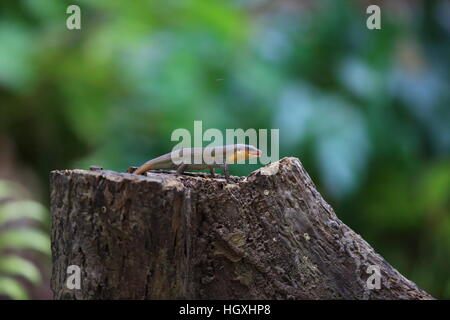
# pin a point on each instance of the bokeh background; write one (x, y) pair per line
(366, 111)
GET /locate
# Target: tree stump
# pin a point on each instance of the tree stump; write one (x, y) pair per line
(269, 235)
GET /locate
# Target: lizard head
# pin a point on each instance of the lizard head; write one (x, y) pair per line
(245, 152)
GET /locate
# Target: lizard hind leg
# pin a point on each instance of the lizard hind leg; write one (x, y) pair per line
(225, 171)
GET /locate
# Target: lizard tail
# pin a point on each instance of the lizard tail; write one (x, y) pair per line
(144, 168)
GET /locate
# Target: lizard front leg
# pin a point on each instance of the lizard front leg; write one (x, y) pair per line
(181, 168)
(211, 171)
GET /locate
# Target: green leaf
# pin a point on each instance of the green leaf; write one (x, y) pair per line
(22, 209)
(25, 239)
(10, 189)
(12, 288)
(21, 267)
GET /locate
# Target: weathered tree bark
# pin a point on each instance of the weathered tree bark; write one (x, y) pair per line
(266, 236)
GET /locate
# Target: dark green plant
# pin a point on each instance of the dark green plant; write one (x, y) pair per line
(16, 236)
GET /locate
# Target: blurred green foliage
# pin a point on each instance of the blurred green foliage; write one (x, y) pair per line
(15, 237)
(367, 112)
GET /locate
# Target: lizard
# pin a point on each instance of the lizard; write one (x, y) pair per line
(195, 159)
